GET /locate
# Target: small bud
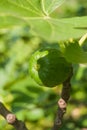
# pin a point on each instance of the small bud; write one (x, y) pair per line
(62, 104)
(10, 118)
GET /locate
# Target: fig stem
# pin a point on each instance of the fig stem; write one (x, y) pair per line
(62, 103)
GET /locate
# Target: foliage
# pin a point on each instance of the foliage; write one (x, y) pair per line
(41, 23)
(24, 28)
(39, 19)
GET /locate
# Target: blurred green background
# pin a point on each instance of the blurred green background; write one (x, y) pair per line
(33, 104)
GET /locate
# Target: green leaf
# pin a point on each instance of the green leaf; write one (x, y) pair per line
(74, 53)
(29, 8)
(36, 13)
(59, 29)
(9, 21)
(49, 6)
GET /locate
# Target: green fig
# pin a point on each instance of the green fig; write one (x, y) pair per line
(49, 67)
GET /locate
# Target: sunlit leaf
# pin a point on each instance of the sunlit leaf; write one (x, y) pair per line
(74, 53)
(36, 14)
(49, 6)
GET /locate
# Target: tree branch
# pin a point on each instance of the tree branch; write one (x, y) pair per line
(62, 103)
(11, 118)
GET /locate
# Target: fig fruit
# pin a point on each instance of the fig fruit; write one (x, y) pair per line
(48, 67)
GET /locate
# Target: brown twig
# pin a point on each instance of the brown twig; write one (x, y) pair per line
(62, 103)
(11, 118)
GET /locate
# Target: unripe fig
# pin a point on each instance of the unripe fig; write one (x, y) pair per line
(49, 67)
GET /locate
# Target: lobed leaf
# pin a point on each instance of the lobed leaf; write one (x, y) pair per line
(36, 14)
